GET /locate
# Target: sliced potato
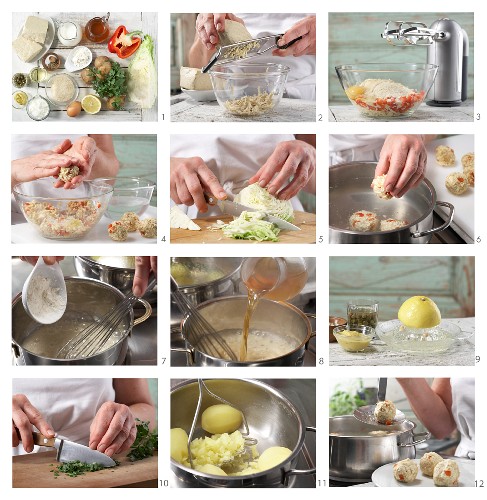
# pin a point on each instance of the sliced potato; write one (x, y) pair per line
(218, 419)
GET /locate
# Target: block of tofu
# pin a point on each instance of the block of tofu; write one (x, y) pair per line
(234, 32)
(35, 29)
(194, 79)
(25, 49)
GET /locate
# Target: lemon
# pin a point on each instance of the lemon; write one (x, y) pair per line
(419, 312)
(91, 104)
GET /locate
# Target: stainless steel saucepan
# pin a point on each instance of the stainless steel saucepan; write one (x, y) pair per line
(350, 192)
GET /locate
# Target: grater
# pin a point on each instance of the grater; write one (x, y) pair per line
(447, 45)
(246, 50)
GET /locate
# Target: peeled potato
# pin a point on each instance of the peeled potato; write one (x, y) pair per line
(218, 419)
(273, 456)
(179, 444)
(211, 469)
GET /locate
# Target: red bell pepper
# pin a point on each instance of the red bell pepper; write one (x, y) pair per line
(123, 43)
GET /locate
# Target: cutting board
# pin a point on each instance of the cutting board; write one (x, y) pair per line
(33, 471)
(305, 221)
(464, 204)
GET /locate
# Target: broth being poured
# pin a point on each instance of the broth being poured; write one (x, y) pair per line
(277, 279)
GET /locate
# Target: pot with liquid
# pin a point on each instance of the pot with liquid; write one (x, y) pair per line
(278, 336)
(88, 301)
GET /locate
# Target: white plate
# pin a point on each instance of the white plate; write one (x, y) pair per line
(51, 32)
(69, 66)
(200, 95)
(383, 476)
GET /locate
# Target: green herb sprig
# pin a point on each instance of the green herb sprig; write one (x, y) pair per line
(113, 84)
(145, 443)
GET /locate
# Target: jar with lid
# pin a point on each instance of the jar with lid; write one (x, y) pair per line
(363, 312)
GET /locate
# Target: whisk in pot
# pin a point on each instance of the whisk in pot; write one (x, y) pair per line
(248, 441)
(93, 338)
(200, 333)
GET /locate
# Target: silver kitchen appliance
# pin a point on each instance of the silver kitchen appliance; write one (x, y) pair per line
(447, 44)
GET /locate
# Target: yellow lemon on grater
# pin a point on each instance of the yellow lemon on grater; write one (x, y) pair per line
(419, 312)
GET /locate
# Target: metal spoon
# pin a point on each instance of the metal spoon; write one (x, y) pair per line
(366, 413)
(48, 313)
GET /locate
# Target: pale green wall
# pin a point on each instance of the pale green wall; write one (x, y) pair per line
(354, 37)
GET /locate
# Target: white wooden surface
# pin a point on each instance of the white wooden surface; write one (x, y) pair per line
(462, 353)
(184, 109)
(146, 22)
(463, 113)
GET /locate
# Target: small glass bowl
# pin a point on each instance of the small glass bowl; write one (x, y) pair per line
(130, 194)
(354, 344)
(15, 104)
(29, 104)
(49, 90)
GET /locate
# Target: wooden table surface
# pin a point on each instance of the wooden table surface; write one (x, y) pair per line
(305, 221)
(34, 471)
(144, 21)
(463, 113)
(462, 353)
(185, 109)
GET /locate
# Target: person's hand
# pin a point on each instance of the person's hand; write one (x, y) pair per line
(306, 28)
(113, 429)
(403, 158)
(24, 415)
(143, 267)
(291, 158)
(190, 178)
(44, 164)
(83, 151)
(47, 260)
(209, 25)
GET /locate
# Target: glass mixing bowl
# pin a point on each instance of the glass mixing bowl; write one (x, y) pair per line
(248, 89)
(420, 340)
(386, 90)
(62, 214)
(130, 194)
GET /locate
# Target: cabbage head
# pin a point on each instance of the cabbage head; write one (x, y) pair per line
(257, 197)
(142, 75)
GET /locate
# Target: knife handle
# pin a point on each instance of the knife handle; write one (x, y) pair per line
(41, 440)
(210, 199)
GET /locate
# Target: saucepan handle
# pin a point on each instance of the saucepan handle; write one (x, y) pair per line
(312, 316)
(423, 436)
(146, 315)
(419, 234)
(300, 472)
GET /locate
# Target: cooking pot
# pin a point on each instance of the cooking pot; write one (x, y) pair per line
(86, 298)
(350, 192)
(120, 277)
(269, 316)
(355, 454)
(226, 285)
(273, 420)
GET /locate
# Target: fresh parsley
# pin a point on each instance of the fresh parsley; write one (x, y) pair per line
(145, 442)
(113, 84)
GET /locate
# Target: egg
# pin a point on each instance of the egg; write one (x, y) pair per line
(74, 109)
(218, 419)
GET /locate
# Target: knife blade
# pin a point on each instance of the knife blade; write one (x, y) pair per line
(67, 451)
(236, 209)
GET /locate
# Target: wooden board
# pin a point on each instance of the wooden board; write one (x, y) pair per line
(34, 471)
(305, 221)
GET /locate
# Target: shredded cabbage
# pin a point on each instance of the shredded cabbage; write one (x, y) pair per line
(257, 197)
(142, 75)
(250, 226)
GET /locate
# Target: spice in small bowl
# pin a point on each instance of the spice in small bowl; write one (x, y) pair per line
(19, 99)
(19, 80)
(38, 108)
(51, 61)
(354, 339)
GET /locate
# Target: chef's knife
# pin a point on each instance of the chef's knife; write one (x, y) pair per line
(235, 209)
(68, 451)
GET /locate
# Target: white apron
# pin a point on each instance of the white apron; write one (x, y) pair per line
(463, 409)
(301, 82)
(350, 147)
(68, 405)
(232, 158)
(29, 144)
